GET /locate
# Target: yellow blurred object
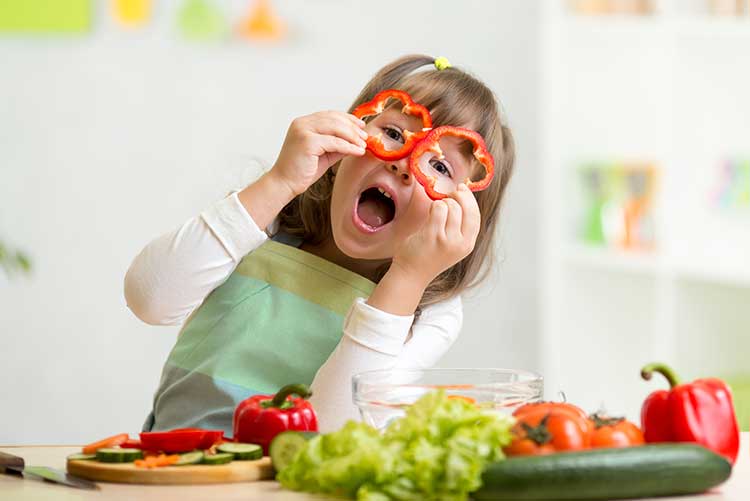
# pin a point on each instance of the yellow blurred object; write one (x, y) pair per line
(262, 23)
(131, 12)
(636, 7)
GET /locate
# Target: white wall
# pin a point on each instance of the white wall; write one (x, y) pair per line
(108, 140)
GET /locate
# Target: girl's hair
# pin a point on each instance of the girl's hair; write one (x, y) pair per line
(454, 98)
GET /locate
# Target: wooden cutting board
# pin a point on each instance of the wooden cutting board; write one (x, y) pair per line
(128, 473)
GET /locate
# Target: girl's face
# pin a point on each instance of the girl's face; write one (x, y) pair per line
(376, 203)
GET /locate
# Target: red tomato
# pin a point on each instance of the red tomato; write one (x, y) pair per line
(548, 427)
(615, 432)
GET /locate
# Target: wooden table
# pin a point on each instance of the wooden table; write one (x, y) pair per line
(12, 487)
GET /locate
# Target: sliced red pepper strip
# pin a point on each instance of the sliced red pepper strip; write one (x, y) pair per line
(430, 143)
(700, 412)
(377, 105)
(181, 440)
(260, 418)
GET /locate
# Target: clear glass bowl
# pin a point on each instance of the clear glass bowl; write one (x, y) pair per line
(383, 395)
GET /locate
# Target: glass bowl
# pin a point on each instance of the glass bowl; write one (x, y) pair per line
(383, 395)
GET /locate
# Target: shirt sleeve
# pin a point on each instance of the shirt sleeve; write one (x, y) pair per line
(174, 273)
(374, 339)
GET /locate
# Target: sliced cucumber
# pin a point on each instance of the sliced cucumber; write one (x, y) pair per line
(81, 457)
(285, 446)
(112, 455)
(221, 458)
(242, 451)
(194, 457)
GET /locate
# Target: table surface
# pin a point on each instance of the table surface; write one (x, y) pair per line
(737, 488)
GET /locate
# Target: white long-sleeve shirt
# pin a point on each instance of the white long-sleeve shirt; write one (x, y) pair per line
(174, 273)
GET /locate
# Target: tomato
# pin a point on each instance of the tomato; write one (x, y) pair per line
(180, 440)
(547, 427)
(614, 432)
(565, 407)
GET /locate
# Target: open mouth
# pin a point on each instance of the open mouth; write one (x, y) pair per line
(375, 209)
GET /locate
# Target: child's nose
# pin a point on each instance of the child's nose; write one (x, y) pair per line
(401, 170)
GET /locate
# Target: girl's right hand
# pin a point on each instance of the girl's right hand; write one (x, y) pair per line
(315, 142)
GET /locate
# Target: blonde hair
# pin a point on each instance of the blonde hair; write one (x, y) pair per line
(453, 97)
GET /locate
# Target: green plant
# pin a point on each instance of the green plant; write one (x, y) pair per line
(13, 261)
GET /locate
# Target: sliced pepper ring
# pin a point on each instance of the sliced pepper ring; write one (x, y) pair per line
(431, 144)
(377, 105)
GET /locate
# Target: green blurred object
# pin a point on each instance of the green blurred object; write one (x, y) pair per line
(740, 386)
(201, 20)
(45, 16)
(12, 262)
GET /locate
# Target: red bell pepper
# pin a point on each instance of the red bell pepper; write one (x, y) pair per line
(260, 418)
(180, 440)
(377, 105)
(431, 143)
(700, 412)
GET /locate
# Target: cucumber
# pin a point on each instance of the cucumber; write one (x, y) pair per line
(187, 458)
(242, 451)
(81, 457)
(630, 472)
(113, 455)
(285, 446)
(221, 458)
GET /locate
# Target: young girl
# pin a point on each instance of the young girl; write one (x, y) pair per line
(362, 271)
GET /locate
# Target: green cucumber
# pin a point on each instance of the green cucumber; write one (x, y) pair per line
(285, 446)
(187, 458)
(242, 451)
(81, 457)
(221, 458)
(630, 472)
(114, 455)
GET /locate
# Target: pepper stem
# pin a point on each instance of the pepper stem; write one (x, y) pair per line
(291, 389)
(662, 369)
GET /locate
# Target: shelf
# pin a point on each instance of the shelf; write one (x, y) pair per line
(656, 264)
(613, 260)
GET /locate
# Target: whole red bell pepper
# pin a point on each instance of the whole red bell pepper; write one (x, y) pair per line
(377, 105)
(260, 418)
(701, 412)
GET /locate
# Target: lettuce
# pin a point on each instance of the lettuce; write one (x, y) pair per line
(436, 451)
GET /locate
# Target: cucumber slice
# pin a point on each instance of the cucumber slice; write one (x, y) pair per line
(221, 458)
(81, 457)
(285, 446)
(242, 451)
(194, 457)
(112, 455)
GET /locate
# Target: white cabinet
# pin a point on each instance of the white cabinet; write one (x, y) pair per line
(671, 89)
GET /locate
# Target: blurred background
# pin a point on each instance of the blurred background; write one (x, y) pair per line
(625, 235)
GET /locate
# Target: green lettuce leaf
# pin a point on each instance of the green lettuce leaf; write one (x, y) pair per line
(436, 451)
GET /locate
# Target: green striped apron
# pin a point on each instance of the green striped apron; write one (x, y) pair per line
(275, 321)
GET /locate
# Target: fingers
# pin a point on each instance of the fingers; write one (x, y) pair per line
(333, 144)
(342, 125)
(437, 218)
(453, 220)
(470, 215)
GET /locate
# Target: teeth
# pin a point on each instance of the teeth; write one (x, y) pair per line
(384, 193)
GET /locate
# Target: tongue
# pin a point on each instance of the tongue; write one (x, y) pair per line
(373, 212)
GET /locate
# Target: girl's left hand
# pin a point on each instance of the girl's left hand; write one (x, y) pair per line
(448, 236)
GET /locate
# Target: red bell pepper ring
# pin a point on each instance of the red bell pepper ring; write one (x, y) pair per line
(377, 105)
(700, 412)
(260, 418)
(431, 143)
(180, 440)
